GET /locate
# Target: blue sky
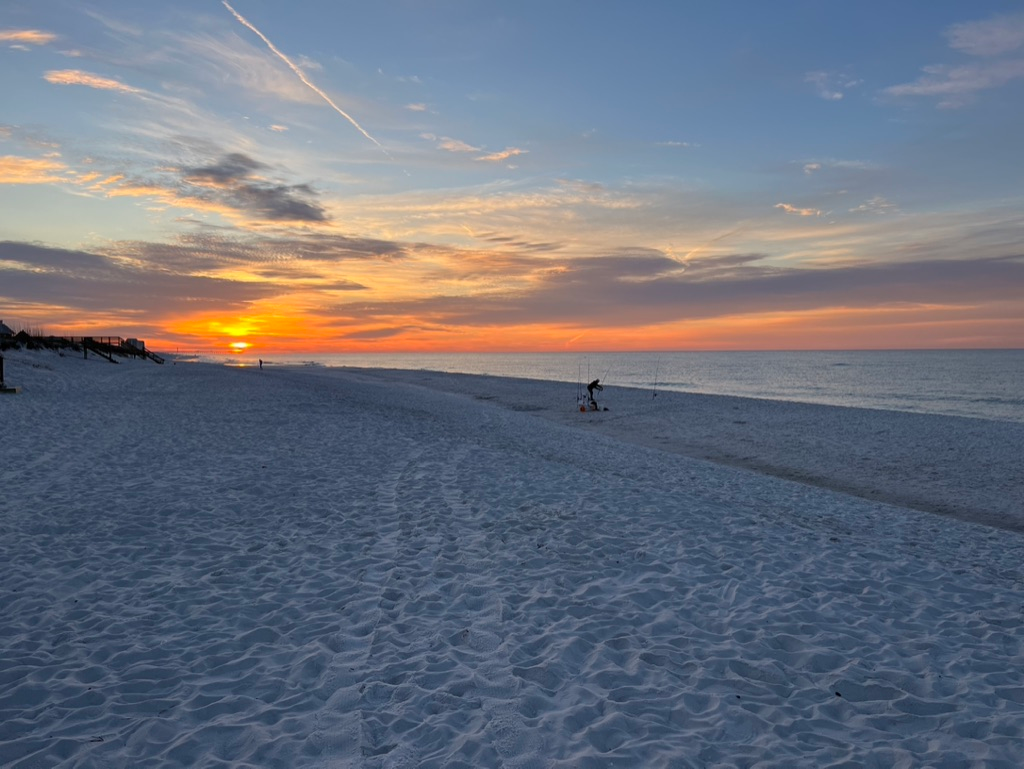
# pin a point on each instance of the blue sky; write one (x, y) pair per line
(529, 175)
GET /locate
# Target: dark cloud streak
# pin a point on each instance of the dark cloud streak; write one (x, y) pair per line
(648, 289)
(235, 180)
(95, 283)
(205, 251)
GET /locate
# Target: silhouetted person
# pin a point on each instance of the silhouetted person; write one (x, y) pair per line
(595, 385)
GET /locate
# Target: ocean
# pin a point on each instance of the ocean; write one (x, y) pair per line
(983, 384)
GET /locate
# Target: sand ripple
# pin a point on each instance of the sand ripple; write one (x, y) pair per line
(371, 577)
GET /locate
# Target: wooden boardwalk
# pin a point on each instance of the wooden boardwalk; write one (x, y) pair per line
(105, 346)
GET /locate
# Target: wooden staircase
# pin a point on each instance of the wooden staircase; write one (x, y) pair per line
(109, 346)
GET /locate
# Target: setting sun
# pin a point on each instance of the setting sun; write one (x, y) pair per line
(239, 346)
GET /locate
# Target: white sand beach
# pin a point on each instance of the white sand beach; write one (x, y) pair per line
(232, 568)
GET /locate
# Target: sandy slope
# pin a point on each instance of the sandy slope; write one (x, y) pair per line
(207, 567)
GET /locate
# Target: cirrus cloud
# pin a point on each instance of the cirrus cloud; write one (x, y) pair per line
(78, 77)
(18, 170)
(829, 85)
(26, 36)
(991, 37)
(505, 154)
(790, 209)
(956, 85)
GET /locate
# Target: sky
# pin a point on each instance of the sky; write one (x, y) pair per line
(472, 175)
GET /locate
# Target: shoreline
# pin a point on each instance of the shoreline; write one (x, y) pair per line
(977, 384)
(918, 461)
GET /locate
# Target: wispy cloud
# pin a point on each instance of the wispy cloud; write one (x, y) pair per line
(790, 209)
(814, 166)
(18, 170)
(505, 154)
(26, 36)
(56, 276)
(991, 37)
(235, 186)
(876, 205)
(830, 86)
(229, 65)
(449, 144)
(119, 26)
(956, 85)
(302, 75)
(78, 77)
(304, 259)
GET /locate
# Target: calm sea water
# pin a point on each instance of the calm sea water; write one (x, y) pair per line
(987, 384)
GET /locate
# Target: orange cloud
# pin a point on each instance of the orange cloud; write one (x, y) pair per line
(103, 183)
(78, 77)
(798, 211)
(16, 170)
(505, 154)
(30, 36)
(169, 198)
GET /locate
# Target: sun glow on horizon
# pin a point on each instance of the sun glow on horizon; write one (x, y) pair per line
(903, 326)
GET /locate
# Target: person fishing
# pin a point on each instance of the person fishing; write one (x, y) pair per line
(595, 385)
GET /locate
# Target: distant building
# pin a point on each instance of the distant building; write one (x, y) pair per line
(5, 330)
(138, 344)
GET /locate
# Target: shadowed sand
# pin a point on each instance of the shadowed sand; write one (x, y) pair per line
(215, 568)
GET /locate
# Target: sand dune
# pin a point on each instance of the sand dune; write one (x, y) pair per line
(215, 567)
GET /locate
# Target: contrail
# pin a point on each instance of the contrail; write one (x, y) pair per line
(302, 76)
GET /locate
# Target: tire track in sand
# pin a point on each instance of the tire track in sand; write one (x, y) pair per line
(485, 641)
